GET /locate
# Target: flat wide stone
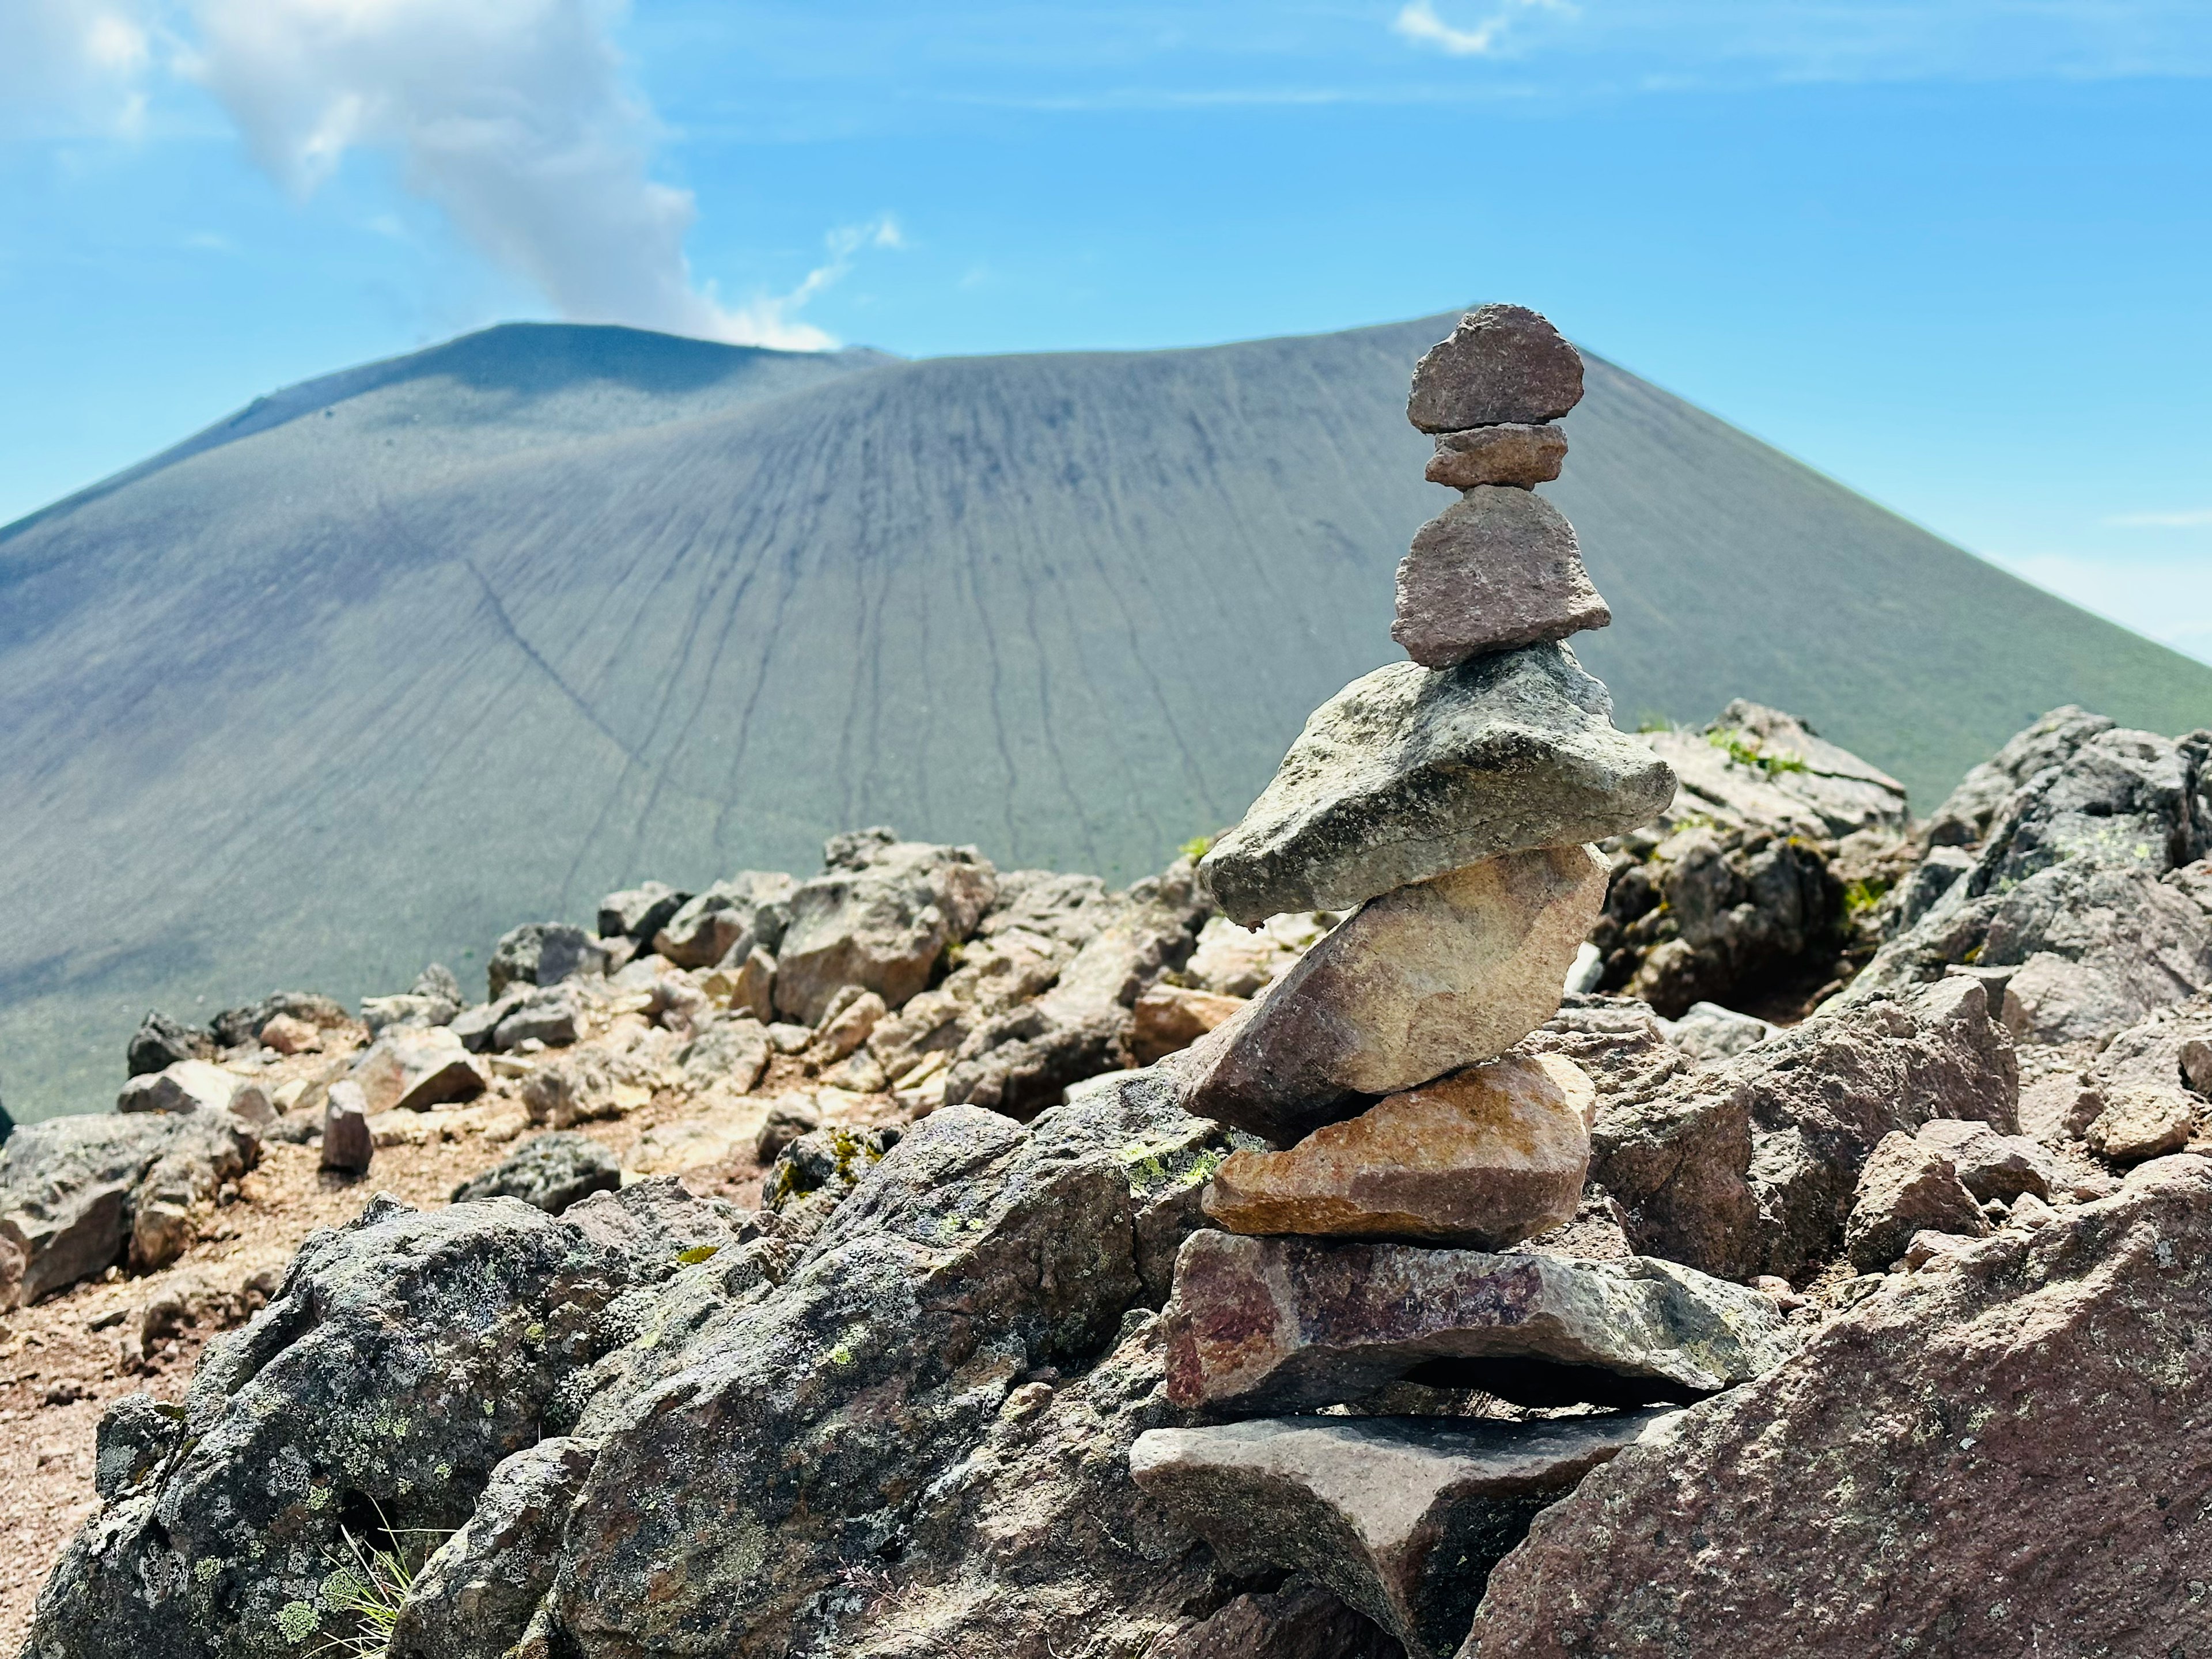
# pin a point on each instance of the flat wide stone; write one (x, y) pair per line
(1496, 569)
(1408, 774)
(1422, 982)
(1277, 1324)
(1503, 363)
(1403, 1517)
(1520, 455)
(1486, 1158)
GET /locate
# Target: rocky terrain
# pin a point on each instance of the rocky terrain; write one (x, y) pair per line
(1529, 1188)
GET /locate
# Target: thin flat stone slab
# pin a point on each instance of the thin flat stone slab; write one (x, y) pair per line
(1281, 1324)
(1408, 774)
(1503, 363)
(1422, 982)
(1402, 1517)
(1498, 568)
(1519, 454)
(1484, 1157)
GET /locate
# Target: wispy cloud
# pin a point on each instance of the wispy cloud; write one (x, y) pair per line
(85, 64)
(2194, 519)
(773, 319)
(1418, 21)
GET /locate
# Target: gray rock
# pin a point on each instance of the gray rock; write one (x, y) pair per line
(1424, 981)
(543, 953)
(1749, 1167)
(786, 1122)
(656, 1224)
(829, 1161)
(553, 1016)
(477, 1593)
(136, 1436)
(1990, 1165)
(548, 1172)
(1963, 817)
(1407, 774)
(1403, 1517)
(1497, 569)
(71, 1188)
(405, 1359)
(639, 913)
(749, 911)
(435, 1000)
(238, 1028)
(1302, 1620)
(1501, 364)
(1901, 1448)
(880, 916)
(1759, 767)
(1273, 1324)
(194, 1085)
(1907, 1186)
(1023, 1060)
(349, 1147)
(730, 1053)
(161, 1043)
(1933, 878)
(966, 1257)
(1520, 455)
(1709, 1032)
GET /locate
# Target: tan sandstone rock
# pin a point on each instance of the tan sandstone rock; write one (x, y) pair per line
(1421, 981)
(1485, 1157)
(1171, 1017)
(1517, 455)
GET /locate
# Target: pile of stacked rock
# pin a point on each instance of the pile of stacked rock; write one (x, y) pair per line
(1446, 803)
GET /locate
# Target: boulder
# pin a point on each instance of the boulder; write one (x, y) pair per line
(1484, 1157)
(1517, 455)
(732, 918)
(548, 1172)
(880, 917)
(1501, 364)
(1709, 1032)
(656, 1224)
(964, 1258)
(1169, 1018)
(1990, 1165)
(1497, 569)
(194, 1085)
(1907, 1186)
(749, 988)
(1757, 767)
(576, 1087)
(1408, 774)
(846, 1028)
(435, 1000)
(1273, 1324)
(1403, 1518)
(2012, 1442)
(70, 1188)
(1750, 1166)
(161, 1043)
(2141, 1123)
(413, 1070)
(637, 913)
(349, 1144)
(730, 1054)
(404, 1359)
(476, 1595)
(1023, 1060)
(1421, 981)
(1964, 819)
(241, 1028)
(543, 953)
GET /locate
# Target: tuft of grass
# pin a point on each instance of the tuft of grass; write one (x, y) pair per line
(1196, 848)
(1745, 752)
(368, 1586)
(1859, 896)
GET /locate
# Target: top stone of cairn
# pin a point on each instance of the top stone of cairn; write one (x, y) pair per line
(1503, 363)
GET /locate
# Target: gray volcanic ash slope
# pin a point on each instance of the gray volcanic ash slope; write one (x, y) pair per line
(401, 654)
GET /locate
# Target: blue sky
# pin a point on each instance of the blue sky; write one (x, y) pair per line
(1955, 254)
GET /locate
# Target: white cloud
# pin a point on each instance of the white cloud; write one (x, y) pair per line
(1419, 22)
(2193, 520)
(513, 117)
(2167, 599)
(81, 66)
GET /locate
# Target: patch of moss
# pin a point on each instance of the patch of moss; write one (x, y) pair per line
(1196, 848)
(1744, 750)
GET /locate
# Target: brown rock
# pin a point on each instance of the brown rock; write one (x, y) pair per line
(849, 1028)
(1497, 569)
(1421, 981)
(1271, 1324)
(749, 987)
(413, 1070)
(1501, 364)
(348, 1144)
(1485, 1157)
(2141, 1123)
(1301, 1620)
(2009, 1457)
(289, 1036)
(1518, 454)
(1908, 1186)
(1403, 1517)
(1171, 1017)
(1991, 1166)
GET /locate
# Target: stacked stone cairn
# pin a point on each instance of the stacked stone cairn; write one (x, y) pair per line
(1397, 1143)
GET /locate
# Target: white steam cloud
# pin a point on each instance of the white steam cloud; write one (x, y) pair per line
(513, 117)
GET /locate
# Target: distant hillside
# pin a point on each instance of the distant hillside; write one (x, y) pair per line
(399, 658)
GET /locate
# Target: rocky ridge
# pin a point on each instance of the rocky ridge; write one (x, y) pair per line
(826, 1276)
